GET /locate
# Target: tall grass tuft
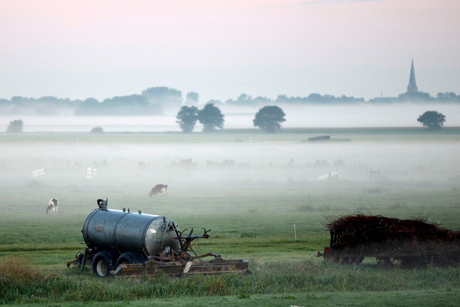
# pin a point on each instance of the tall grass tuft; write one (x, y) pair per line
(17, 270)
(18, 279)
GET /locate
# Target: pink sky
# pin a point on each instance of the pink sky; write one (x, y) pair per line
(220, 49)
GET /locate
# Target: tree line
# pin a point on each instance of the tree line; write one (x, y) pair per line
(158, 100)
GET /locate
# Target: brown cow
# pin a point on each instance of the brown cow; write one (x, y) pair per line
(159, 188)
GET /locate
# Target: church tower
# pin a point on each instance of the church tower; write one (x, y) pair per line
(412, 87)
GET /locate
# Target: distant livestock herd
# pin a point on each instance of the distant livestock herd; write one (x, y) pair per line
(53, 204)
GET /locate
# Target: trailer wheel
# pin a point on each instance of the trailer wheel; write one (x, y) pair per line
(359, 260)
(352, 260)
(412, 262)
(335, 258)
(129, 258)
(385, 262)
(104, 262)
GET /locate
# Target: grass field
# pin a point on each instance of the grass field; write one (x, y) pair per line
(250, 189)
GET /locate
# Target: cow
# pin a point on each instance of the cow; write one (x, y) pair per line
(159, 188)
(52, 206)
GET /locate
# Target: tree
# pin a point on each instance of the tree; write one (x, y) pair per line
(168, 98)
(432, 120)
(97, 130)
(211, 117)
(192, 98)
(215, 102)
(186, 118)
(15, 126)
(269, 118)
(448, 96)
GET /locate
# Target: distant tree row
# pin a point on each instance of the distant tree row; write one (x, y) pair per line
(37, 106)
(158, 100)
(118, 105)
(152, 101)
(419, 96)
(245, 99)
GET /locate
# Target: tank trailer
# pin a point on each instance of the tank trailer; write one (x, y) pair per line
(124, 243)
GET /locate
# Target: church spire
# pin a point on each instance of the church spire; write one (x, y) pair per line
(412, 87)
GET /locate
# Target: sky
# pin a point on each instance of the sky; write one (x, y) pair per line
(220, 49)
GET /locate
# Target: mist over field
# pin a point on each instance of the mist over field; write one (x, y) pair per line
(127, 162)
(135, 153)
(347, 115)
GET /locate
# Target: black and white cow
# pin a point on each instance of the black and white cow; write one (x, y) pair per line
(52, 206)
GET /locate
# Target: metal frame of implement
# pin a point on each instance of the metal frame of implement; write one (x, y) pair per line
(182, 263)
(177, 263)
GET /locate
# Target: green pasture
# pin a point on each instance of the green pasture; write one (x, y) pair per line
(276, 222)
(285, 135)
(258, 226)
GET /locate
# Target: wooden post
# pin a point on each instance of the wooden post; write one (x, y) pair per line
(295, 234)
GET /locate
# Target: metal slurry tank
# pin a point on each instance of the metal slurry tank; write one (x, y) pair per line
(121, 231)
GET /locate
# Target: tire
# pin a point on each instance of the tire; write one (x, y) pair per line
(385, 262)
(129, 258)
(104, 262)
(335, 258)
(359, 260)
(412, 262)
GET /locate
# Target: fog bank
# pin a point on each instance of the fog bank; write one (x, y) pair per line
(334, 116)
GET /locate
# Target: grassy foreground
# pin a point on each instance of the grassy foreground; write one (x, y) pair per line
(272, 283)
(435, 298)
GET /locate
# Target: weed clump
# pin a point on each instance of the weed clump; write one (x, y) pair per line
(217, 287)
(18, 270)
(18, 279)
